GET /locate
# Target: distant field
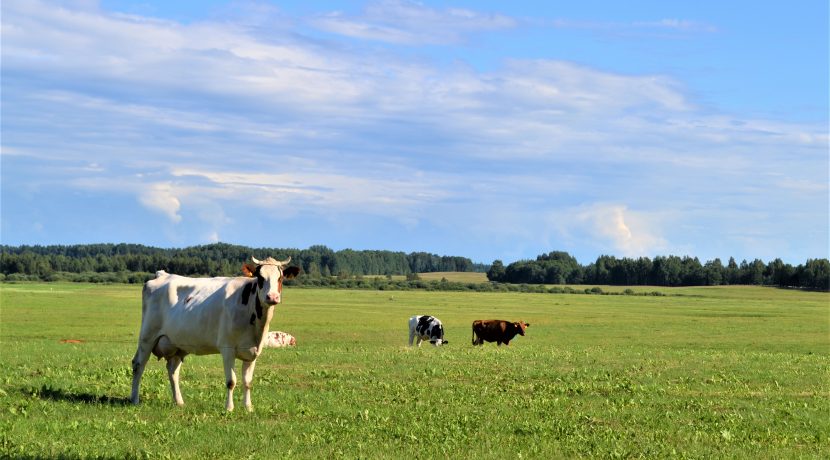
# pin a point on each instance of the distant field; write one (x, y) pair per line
(458, 277)
(726, 372)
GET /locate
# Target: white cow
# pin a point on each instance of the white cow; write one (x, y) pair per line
(279, 339)
(202, 316)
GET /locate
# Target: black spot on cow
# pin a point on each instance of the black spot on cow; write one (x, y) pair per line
(424, 323)
(437, 332)
(260, 280)
(258, 308)
(246, 293)
(253, 318)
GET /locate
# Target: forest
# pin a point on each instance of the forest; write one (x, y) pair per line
(134, 263)
(559, 267)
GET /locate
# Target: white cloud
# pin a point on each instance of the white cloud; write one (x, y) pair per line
(662, 28)
(683, 25)
(615, 228)
(160, 197)
(319, 192)
(213, 237)
(412, 23)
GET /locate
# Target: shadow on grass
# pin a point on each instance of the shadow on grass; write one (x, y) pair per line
(58, 394)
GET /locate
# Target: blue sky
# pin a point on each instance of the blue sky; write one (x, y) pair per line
(491, 130)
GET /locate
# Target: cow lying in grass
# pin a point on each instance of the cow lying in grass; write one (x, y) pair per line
(277, 339)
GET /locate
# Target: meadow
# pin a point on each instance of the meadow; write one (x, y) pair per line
(705, 372)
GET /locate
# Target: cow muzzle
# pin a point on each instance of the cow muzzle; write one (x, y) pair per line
(272, 298)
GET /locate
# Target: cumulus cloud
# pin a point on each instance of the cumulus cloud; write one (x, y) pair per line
(161, 198)
(615, 228)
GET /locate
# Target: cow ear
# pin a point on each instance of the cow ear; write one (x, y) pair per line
(291, 272)
(248, 270)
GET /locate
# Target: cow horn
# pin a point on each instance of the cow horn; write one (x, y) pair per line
(285, 262)
(254, 260)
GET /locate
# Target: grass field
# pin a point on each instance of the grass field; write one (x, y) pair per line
(727, 372)
(458, 277)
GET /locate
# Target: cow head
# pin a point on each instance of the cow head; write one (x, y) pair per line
(269, 275)
(437, 335)
(520, 326)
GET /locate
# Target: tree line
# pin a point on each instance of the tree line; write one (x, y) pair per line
(135, 262)
(561, 268)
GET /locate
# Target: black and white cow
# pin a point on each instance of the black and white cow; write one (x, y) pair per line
(181, 316)
(426, 327)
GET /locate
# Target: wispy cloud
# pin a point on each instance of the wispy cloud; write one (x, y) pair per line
(663, 28)
(412, 23)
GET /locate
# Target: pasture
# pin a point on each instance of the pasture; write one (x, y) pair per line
(726, 372)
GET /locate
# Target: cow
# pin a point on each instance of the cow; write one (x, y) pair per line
(496, 330)
(277, 339)
(203, 316)
(426, 327)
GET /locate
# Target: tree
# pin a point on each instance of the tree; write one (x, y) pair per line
(815, 274)
(713, 272)
(496, 271)
(779, 273)
(732, 272)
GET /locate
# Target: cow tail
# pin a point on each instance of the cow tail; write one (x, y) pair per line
(474, 335)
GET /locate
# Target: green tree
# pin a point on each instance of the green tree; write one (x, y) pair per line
(496, 271)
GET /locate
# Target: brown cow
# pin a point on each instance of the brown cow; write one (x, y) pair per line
(496, 330)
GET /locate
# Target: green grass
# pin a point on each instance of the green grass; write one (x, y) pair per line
(727, 372)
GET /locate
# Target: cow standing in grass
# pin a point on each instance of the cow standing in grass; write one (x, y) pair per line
(426, 327)
(203, 316)
(496, 330)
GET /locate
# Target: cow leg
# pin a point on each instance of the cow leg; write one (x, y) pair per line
(228, 359)
(142, 355)
(248, 382)
(174, 363)
(411, 337)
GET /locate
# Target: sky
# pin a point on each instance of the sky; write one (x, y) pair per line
(484, 129)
